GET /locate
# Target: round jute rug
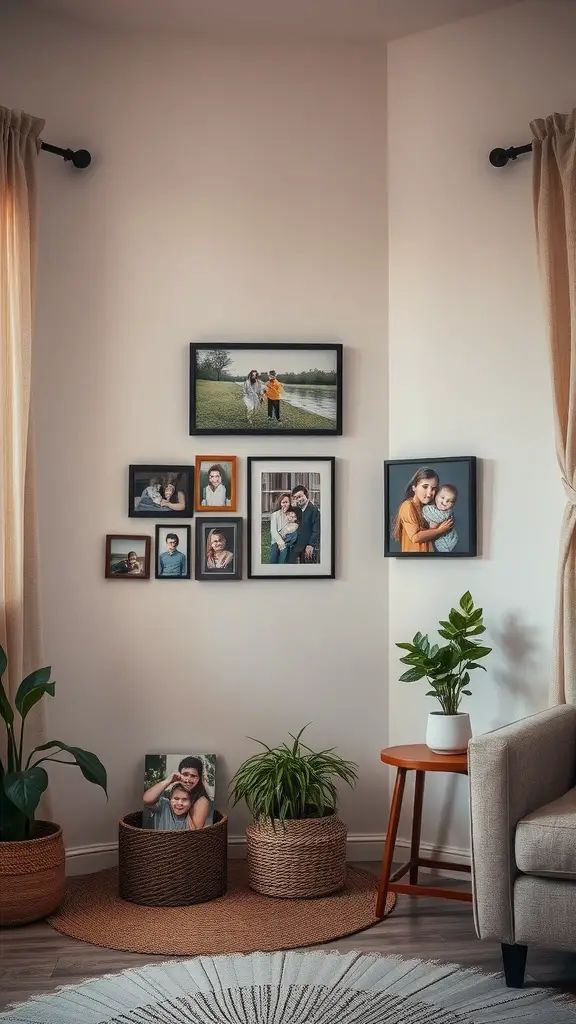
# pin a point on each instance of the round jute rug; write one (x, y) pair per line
(296, 988)
(242, 921)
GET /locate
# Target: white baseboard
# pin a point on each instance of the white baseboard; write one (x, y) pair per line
(362, 847)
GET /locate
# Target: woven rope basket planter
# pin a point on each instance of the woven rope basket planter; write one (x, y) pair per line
(296, 859)
(159, 868)
(32, 875)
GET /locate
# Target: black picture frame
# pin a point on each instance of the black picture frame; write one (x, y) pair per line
(156, 471)
(172, 528)
(463, 478)
(123, 573)
(305, 460)
(229, 526)
(267, 429)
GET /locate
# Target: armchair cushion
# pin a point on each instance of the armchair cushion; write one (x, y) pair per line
(546, 839)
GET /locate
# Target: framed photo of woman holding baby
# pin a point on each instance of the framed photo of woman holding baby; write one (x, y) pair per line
(430, 508)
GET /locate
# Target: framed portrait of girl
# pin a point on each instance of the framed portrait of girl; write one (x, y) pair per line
(219, 549)
(430, 508)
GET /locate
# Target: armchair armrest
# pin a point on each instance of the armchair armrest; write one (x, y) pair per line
(513, 771)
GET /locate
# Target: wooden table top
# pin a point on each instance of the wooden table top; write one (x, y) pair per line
(418, 756)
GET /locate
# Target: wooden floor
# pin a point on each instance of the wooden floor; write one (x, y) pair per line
(36, 959)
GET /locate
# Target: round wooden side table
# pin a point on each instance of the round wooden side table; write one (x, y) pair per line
(419, 758)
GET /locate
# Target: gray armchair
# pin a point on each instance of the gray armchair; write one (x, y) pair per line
(523, 814)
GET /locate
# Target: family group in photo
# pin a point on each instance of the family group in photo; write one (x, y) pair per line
(161, 494)
(425, 519)
(294, 528)
(255, 391)
(180, 801)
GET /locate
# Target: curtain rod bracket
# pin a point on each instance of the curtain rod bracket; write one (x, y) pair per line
(80, 157)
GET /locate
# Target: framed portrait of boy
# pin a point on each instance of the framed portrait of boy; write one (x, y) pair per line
(127, 557)
(158, 492)
(430, 508)
(291, 518)
(215, 477)
(265, 388)
(218, 549)
(172, 552)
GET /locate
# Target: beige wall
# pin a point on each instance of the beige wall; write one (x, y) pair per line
(468, 369)
(236, 188)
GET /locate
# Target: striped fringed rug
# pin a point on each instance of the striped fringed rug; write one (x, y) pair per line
(296, 988)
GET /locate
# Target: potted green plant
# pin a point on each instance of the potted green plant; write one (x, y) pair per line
(32, 856)
(447, 669)
(296, 846)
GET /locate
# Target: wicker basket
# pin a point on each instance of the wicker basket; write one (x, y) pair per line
(295, 859)
(159, 868)
(32, 875)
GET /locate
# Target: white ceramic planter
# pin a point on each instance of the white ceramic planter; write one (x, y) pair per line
(448, 734)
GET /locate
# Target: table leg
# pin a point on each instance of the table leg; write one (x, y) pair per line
(390, 840)
(416, 826)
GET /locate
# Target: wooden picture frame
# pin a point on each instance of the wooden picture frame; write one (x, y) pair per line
(131, 548)
(207, 470)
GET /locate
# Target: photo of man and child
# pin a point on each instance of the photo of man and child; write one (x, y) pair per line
(179, 791)
(290, 518)
(431, 509)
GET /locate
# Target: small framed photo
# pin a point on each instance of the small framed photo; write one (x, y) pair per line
(267, 388)
(127, 557)
(430, 508)
(172, 552)
(215, 477)
(291, 518)
(156, 492)
(179, 791)
(219, 549)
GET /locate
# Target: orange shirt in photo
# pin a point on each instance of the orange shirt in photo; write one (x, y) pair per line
(410, 523)
(273, 389)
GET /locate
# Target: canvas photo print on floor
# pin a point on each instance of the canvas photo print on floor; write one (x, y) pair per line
(430, 507)
(179, 791)
(291, 517)
(265, 389)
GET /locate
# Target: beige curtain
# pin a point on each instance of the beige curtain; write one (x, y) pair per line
(19, 619)
(554, 154)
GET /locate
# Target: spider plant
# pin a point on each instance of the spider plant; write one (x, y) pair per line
(291, 781)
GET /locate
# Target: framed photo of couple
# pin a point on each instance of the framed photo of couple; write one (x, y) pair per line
(430, 508)
(291, 518)
(265, 388)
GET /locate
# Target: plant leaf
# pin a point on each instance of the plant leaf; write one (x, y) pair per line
(91, 767)
(6, 709)
(472, 664)
(412, 675)
(445, 634)
(3, 661)
(32, 688)
(24, 789)
(467, 692)
(466, 603)
(457, 620)
(406, 647)
(479, 652)
(476, 631)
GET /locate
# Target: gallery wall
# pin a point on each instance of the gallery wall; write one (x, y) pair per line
(468, 359)
(237, 188)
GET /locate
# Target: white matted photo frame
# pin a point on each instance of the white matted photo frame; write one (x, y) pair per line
(218, 548)
(291, 517)
(173, 551)
(215, 483)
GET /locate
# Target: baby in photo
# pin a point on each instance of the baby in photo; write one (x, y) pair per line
(438, 512)
(289, 534)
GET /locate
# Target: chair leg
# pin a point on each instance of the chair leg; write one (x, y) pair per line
(417, 825)
(514, 960)
(395, 809)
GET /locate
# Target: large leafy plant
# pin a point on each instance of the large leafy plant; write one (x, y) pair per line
(448, 668)
(291, 781)
(22, 781)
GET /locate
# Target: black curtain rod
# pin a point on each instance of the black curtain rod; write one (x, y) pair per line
(80, 157)
(500, 157)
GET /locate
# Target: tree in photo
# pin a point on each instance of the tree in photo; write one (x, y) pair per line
(213, 365)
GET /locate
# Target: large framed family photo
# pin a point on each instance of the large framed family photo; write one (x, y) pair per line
(430, 508)
(160, 492)
(276, 388)
(291, 518)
